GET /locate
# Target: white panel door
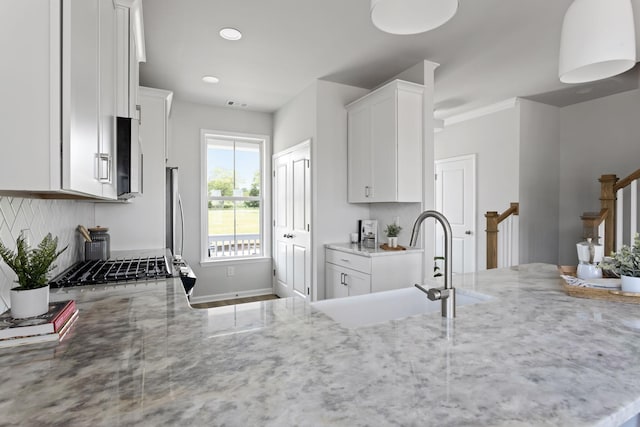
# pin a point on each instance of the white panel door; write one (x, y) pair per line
(301, 221)
(456, 199)
(292, 222)
(281, 221)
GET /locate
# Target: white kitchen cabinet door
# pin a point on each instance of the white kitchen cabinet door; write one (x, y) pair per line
(360, 176)
(357, 282)
(336, 287)
(107, 81)
(385, 145)
(81, 98)
(127, 57)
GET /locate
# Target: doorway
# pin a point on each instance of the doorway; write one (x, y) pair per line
(456, 199)
(292, 221)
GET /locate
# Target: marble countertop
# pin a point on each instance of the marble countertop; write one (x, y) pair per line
(357, 249)
(530, 356)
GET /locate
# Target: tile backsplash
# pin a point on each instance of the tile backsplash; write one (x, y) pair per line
(37, 217)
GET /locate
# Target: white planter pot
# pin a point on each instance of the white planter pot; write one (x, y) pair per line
(630, 284)
(392, 242)
(29, 302)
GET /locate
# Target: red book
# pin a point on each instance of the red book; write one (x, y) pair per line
(58, 314)
(61, 318)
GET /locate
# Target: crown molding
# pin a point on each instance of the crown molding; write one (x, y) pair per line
(482, 111)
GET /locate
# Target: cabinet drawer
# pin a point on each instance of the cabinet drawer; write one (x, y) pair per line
(344, 259)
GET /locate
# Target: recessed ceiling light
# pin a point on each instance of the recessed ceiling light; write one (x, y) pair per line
(210, 79)
(230, 34)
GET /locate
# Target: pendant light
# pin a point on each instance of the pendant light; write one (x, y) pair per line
(411, 16)
(598, 40)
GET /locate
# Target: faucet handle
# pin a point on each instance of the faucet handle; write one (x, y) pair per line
(435, 294)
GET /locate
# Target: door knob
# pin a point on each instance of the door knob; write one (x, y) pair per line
(468, 232)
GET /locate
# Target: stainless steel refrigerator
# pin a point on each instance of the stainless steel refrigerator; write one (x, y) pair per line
(175, 214)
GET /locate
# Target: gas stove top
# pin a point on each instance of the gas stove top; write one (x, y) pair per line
(117, 270)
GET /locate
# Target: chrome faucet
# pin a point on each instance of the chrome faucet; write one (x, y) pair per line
(447, 294)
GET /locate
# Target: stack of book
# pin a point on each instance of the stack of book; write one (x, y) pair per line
(52, 326)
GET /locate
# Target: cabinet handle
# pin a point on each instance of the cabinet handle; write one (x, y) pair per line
(342, 278)
(468, 232)
(139, 110)
(345, 279)
(103, 167)
(344, 260)
(366, 191)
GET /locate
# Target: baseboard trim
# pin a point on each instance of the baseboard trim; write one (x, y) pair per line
(230, 295)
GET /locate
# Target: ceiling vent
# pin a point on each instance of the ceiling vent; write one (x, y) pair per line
(236, 104)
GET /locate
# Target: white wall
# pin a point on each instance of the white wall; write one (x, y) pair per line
(495, 140)
(187, 120)
(596, 137)
(39, 217)
(296, 121)
(539, 181)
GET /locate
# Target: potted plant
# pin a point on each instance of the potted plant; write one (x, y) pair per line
(31, 297)
(626, 264)
(392, 232)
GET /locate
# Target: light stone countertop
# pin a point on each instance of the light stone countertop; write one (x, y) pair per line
(357, 249)
(530, 356)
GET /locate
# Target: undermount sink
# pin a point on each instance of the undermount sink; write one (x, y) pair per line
(378, 307)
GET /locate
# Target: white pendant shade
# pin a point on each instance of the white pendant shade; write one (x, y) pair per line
(411, 16)
(598, 40)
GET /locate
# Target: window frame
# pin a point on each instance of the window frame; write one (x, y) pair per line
(264, 199)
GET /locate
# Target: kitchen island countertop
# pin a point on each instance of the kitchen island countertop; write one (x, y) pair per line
(530, 356)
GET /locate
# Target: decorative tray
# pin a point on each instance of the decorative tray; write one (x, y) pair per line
(386, 247)
(609, 294)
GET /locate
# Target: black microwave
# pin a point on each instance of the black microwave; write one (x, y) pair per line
(129, 159)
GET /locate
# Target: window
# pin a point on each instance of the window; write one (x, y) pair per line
(234, 208)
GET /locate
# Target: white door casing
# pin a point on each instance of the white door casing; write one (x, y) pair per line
(456, 199)
(292, 221)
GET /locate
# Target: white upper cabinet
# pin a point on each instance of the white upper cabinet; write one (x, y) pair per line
(385, 145)
(130, 52)
(58, 121)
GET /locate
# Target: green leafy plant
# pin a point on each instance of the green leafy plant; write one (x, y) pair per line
(393, 230)
(625, 262)
(32, 265)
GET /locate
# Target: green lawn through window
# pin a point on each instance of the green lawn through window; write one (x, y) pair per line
(221, 221)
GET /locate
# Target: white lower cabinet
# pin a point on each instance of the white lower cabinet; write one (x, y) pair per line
(345, 282)
(349, 274)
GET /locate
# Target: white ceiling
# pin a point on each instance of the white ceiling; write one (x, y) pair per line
(490, 51)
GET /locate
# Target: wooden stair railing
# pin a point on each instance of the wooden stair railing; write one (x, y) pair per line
(591, 224)
(611, 204)
(493, 220)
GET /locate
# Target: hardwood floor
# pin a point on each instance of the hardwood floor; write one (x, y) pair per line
(234, 301)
